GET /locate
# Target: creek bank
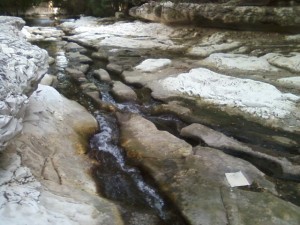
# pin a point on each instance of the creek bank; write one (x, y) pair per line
(44, 172)
(22, 66)
(174, 164)
(194, 178)
(228, 15)
(59, 188)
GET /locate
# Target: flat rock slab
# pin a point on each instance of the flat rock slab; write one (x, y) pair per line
(234, 14)
(74, 47)
(239, 62)
(122, 92)
(22, 66)
(102, 75)
(280, 166)
(195, 180)
(254, 100)
(289, 62)
(142, 139)
(42, 33)
(150, 65)
(293, 82)
(76, 57)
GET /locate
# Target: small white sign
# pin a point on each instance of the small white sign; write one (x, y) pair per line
(237, 179)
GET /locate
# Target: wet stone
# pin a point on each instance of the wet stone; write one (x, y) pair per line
(102, 55)
(102, 75)
(281, 167)
(78, 58)
(76, 75)
(114, 68)
(74, 47)
(122, 92)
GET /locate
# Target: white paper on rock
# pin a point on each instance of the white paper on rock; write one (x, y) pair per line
(237, 179)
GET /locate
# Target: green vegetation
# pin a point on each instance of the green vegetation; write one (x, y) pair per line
(15, 6)
(73, 7)
(96, 7)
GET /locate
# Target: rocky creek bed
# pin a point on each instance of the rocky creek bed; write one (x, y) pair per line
(183, 104)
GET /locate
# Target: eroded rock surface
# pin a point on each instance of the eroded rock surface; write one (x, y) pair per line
(59, 188)
(234, 14)
(194, 179)
(22, 66)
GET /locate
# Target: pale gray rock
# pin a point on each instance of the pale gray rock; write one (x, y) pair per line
(122, 92)
(81, 67)
(42, 33)
(48, 79)
(74, 47)
(281, 167)
(51, 60)
(141, 138)
(22, 66)
(289, 62)
(293, 82)
(218, 15)
(78, 58)
(194, 179)
(205, 50)
(87, 87)
(239, 62)
(102, 55)
(77, 75)
(102, 75)
(59, 189)
(114, 68)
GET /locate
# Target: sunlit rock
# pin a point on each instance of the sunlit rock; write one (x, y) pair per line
(22, 66)
(232, 15)
(150, 65)
(59, 188)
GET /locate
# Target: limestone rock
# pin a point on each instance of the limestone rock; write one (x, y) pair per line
(114, 68)
(280, 166)
(42, 33)
(293, 82)
(22, 66)
(290, 62)
(236, 96)
(239, 62)
(122, 92)
(52, 146)
(195, 180)
(151, 142)
(233, 15)
(74, 47)
(150, 65)
(77, 75)
(102, 75)
(100, 55)
(78, 58)
(48, 79)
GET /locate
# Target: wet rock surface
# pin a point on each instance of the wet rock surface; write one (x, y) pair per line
(59, 188)
(241, 134)
(195, 180)
(123, 92)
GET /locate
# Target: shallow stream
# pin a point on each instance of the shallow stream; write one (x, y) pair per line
(132, 189)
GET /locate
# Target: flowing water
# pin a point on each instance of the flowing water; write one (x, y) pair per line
(119, 181)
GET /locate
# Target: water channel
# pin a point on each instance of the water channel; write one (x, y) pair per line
(132, 189)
